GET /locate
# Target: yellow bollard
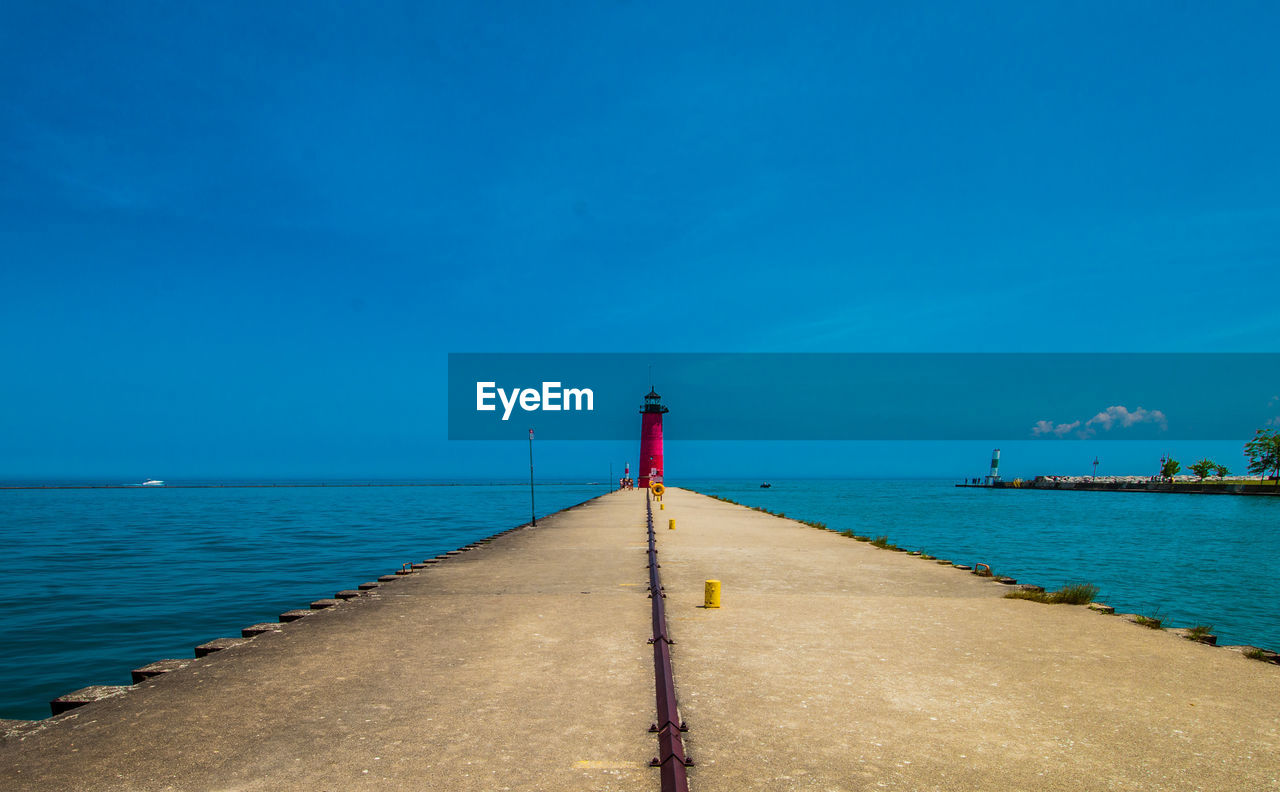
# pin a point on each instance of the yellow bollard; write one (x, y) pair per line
(662, 507)
(671, 525)
(712, 599)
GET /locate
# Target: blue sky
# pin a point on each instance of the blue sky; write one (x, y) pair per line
(240, 239)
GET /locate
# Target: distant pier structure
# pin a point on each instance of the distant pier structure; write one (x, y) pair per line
(650, 468)
(1186, 485)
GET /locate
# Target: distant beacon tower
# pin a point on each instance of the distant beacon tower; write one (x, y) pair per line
(651, 439)
(994, 475)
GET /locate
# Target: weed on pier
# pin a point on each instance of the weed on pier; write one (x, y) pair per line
(1153, 622)
(1200, 633)
(1075, 594)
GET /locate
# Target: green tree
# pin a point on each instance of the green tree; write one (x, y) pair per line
(1221, 471)
(1170, 469)
(1264, 452)
(1203, 468)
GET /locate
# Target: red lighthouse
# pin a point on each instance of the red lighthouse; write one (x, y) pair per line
(651, 439)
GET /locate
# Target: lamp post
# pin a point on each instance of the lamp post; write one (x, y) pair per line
(533, 514)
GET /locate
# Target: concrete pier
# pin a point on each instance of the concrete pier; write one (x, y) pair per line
(1208, 486)
(830, 665)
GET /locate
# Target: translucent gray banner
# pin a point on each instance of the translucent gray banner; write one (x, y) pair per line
(866, 396)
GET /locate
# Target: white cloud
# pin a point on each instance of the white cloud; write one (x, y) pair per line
(1117, 416)
(1062, 429)
(1049, 427)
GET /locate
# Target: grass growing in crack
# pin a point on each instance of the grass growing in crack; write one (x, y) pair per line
(847, 533)
(1153, 622)
(1075, 594)
(1255, 654)
(1034, 596)
(1199, 633)
(883, 543)
(863, 538)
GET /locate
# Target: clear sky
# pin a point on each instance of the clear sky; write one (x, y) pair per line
(240, 238)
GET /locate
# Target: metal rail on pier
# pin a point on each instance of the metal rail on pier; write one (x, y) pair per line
(671, 757)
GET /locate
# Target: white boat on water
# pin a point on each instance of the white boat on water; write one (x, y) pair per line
(153, 483)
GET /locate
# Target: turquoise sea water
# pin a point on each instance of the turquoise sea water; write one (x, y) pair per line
(1189, 559)
(94, 583)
